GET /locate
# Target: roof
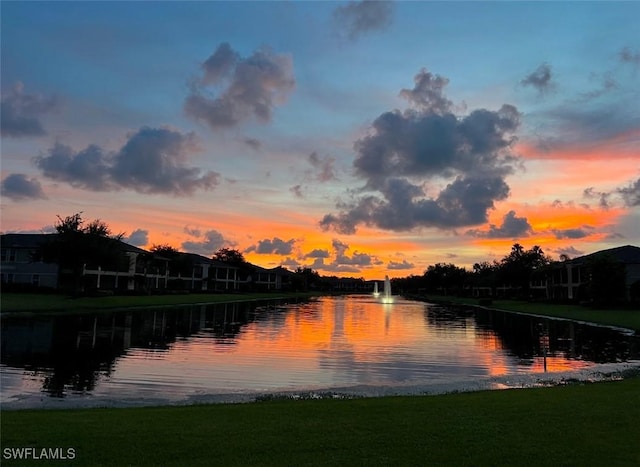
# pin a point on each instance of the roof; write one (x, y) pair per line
(130, 248)
(20, 240)
(277, 269)
(627, 254)
(199, 259)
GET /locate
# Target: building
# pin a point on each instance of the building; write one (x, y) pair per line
(133, 269)
(570, 280)
(19, 263)
(277, 278)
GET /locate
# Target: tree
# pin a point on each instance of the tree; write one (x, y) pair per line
(231, 256)
(485, 274)
(305, 278)
(78, 244)
(444, 278)
(179, 263)
(235, 258)
(165, 250)
(516, 268)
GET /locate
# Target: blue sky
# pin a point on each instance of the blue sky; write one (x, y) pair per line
(353, 137)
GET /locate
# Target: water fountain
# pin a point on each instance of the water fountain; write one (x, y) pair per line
(386, 297)
(376, 292)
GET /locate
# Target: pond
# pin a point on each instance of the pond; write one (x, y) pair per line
(237, 351)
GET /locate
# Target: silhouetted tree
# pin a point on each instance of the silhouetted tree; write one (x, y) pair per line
(165, 250)
(179, 263)
(234, 257)
(410, 284)
(445, 278)
(516, 268)
(77, 244)
(231, 256)
(305, 278)
(485, 274)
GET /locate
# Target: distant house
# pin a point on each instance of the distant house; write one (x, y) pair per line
(277, 278)
(119, 277)
(185, 271)
(19, 265)
(132, 269)
(569, 280)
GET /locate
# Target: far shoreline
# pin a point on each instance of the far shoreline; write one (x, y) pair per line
(34, 304)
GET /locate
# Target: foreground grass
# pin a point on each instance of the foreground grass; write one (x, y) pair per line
(26, 302)
(594, 424)
(612, 317)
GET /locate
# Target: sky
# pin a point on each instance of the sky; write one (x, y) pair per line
(356, 138)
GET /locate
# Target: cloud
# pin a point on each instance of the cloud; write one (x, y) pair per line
(290, 263)
(570, 251)
(607, 83)
(599, 119)
(320, 265)
(220, 65)
(138, 237)
(629, 56)
(342, 262)
(20, 113)
(357, 259)
(570, 233)
(359, 18)
(192, 231)
(591, 193)
(511, 227)
(253, 143)
(244, 88)
(324, 168)
(212, 241)
(631, 193)
(573, 125)
(20, 188)
(153, 160)
(275, 246)
(428, 93)
(463, 202)
(394, 265)
(317, 253)
(297, 191)
(540, 79)
(403, 151)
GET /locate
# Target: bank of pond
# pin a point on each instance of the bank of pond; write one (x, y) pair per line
(573, 425)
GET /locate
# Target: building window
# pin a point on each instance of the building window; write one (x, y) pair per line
(35, 279)
(8, 254)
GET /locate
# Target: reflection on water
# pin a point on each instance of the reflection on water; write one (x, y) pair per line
(328, 342)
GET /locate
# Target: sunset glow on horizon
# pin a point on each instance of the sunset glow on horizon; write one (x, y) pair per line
(360, 139)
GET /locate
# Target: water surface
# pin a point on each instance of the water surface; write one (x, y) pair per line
(185, 353)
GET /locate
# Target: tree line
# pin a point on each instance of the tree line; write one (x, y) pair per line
(78, 243)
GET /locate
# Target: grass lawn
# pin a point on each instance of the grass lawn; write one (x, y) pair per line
(26, 302)
(593, 424)
(613, 317)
